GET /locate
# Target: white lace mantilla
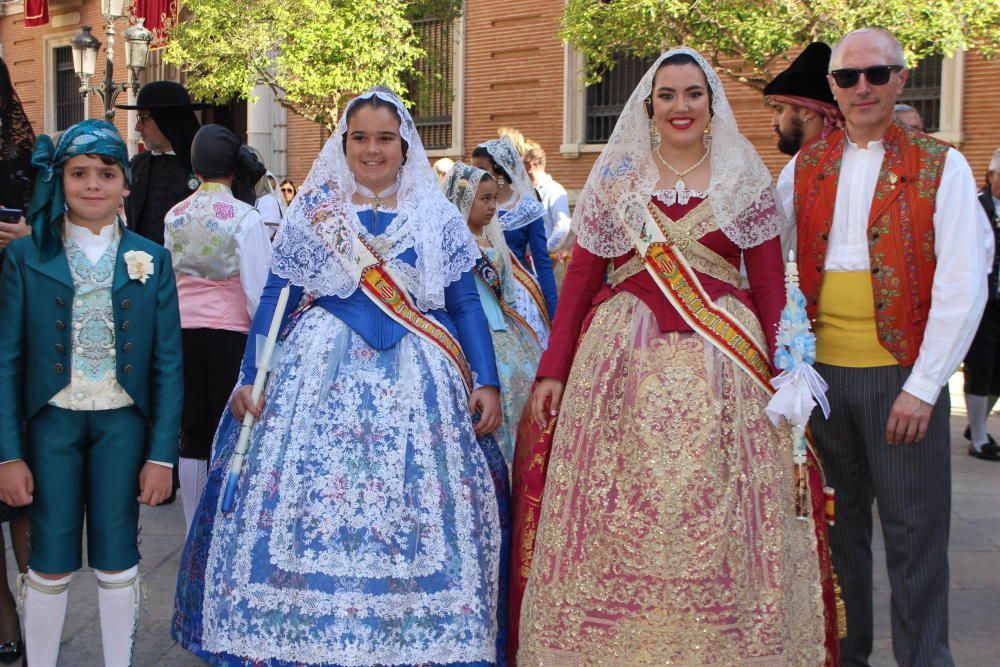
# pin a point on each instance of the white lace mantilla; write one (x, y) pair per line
(528, 208)
(624, 177)
(315, 247)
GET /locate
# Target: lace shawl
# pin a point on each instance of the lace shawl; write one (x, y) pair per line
(314, 247)
(528, 208)
(623, 178)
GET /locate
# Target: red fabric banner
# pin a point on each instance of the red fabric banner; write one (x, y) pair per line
(36, 12)
(160, 15)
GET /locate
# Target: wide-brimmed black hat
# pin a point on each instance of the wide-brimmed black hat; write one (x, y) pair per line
(806, 76)
(163, 95)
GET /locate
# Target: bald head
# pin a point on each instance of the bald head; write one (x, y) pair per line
(869, 38)
(869, 64)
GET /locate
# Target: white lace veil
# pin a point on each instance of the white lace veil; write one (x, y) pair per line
(740, 190)
(314, 247)
(460, 187)
(528, 208)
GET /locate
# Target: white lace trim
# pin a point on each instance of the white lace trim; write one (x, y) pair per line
(320, 492)
(525, 212)
(671, 196)
(740, 191)
(314, 247)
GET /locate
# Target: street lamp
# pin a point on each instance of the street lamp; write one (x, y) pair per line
(85, 47)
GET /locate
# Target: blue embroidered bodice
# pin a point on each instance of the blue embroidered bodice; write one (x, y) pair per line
(463, 314)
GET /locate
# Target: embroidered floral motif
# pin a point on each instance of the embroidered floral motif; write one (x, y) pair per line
(201, 234)
(900, 233)
(661, 448)
(223, 211)
(368, 529)
(93, 384)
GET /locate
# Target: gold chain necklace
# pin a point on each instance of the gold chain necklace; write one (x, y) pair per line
(679, 185)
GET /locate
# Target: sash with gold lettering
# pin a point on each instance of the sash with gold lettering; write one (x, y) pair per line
(487, 272)
(523, 276)
(680, 285)
(386, 292)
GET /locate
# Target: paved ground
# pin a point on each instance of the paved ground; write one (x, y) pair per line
(975, 575)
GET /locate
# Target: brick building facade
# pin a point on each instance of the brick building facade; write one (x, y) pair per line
(506, 67)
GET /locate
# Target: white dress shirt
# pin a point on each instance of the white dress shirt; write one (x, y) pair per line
(253, 244)
(270, 212)
(556, 203)
(958, 291)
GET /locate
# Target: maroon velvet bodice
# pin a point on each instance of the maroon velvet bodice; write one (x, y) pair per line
(584, 287)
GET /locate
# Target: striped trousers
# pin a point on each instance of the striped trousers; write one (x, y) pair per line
(912, 485)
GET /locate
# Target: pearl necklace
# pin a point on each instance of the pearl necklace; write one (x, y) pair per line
(679, 185)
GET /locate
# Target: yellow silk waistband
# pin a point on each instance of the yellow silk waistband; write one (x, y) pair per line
(845, 322)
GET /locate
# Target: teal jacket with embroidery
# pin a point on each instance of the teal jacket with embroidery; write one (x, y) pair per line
(36, 301)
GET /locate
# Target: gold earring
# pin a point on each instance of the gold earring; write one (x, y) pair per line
(654, 134)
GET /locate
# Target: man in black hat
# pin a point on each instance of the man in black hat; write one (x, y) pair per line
(804, 108)
(162, 174)
(804, 111)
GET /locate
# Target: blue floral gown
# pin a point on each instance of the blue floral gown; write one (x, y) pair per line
(370, 525)
(517, 354)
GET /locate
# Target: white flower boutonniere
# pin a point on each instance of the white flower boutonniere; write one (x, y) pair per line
(140, 265)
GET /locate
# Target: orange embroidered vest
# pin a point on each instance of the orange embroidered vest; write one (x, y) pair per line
(900, 230)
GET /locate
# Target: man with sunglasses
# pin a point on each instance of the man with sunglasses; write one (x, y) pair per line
(893, 261)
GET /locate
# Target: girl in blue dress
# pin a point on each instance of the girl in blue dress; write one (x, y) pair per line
(517, 348)
(522, 219)
(367, 526)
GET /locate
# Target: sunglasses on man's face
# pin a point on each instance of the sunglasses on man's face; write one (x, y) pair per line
(876, 75)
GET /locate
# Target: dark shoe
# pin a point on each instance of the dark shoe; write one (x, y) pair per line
(988, 452)
(11, 652)
(968, 436)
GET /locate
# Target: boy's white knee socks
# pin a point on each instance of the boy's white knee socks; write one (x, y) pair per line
(118, 598)
(43, 612)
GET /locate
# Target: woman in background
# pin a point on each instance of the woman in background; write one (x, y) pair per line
(522, 219)
(474, 193)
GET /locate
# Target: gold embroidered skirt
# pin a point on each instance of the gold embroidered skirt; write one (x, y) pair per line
(668, 531)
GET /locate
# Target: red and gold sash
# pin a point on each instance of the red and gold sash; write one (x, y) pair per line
(523, 276)
(385, 291)
(487, 272)
(680, 285)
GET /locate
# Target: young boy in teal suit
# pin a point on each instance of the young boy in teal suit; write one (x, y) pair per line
(90, 385)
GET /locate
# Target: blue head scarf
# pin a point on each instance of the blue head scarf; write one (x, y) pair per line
(48, 202)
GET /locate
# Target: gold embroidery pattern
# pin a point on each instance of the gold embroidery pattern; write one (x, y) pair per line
(686, 233)
(668, 531)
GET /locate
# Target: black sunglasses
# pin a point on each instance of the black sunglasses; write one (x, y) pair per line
(876, 75)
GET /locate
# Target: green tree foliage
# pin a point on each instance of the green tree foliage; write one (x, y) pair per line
(312, 53)
(743, 38)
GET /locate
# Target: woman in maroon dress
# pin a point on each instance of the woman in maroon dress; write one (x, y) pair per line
(667, 530)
